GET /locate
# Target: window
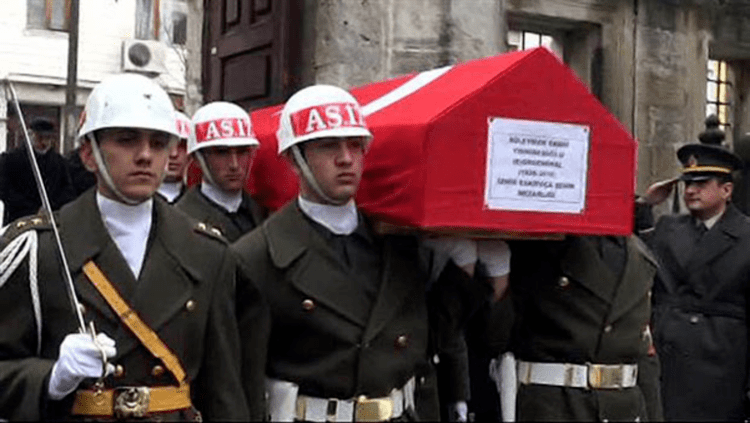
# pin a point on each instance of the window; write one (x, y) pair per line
(577, 43)
(53, 15)
(164, 20)
(719, 92)
(524, 40)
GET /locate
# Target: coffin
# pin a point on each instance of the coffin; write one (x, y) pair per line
(511, 144)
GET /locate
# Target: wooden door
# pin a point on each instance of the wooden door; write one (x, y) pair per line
(248, 50)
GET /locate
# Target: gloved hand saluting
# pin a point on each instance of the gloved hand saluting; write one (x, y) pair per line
(79, 358)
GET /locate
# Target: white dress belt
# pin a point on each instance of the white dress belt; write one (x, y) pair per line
(587, 376)
(285, 404)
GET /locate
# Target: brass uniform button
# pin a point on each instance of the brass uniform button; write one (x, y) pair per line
(190, 305)
(563, 282)
(308, 305)
(216, 231)
(202, 226)
(402, 341)
(21, 224)
(119, 371)
(157, 371)
(608, 329)
(694, 319)
(36, 221)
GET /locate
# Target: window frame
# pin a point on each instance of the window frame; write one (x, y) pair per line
(722, 102)
(47, 7)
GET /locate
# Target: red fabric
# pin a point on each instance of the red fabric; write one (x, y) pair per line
(426, 164)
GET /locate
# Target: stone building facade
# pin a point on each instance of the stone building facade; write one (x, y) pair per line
(646, 60)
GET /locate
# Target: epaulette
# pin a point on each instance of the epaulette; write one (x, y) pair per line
(210, 231)
(17, 227)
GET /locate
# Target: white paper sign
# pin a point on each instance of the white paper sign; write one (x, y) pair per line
(536, 166)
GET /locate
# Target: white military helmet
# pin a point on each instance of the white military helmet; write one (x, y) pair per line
(183, 124)
(221, 124)
(125, 101)
(320, 111)
(128, 101)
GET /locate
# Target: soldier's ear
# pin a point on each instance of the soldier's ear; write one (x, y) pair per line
(87, 155)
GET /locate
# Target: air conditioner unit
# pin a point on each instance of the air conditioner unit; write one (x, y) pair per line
(144, 56)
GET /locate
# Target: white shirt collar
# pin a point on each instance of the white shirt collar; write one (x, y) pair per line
(129, 227)
(230, 202)
(170, 190)
(710, 222)
(341, 220)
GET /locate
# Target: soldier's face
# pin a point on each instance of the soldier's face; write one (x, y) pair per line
(135, 158)
(337, 165)
(706, 199)
(229, 166)
(178, 159)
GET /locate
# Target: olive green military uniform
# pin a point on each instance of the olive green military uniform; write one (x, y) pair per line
(232, 225)
(184, 293)
(576, 303)
(349, 314)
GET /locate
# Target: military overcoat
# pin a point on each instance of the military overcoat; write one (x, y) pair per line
(184, 293)
(232, 225)
(570, 307)
(700, 316)
(323, 338)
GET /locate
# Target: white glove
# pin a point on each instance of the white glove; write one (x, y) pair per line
(495, 255)
(458, 412)
(463, 251)
(79, 358)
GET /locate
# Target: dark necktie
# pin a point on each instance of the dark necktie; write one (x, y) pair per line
(700, 230)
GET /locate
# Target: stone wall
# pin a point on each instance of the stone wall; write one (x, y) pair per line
(368, 40)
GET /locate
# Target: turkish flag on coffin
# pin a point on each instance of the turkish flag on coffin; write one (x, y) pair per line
(512, 143)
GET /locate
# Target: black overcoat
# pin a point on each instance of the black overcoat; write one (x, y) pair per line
(18, 189)
(700, 316)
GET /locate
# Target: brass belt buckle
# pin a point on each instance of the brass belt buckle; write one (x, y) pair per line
(605, 377)
(131, 402)
(373, 410)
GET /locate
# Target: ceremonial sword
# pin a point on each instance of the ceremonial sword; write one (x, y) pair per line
(75, 304)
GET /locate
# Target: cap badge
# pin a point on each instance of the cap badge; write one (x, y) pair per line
(692, 161)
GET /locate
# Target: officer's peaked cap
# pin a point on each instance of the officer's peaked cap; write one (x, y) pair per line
(703, 161)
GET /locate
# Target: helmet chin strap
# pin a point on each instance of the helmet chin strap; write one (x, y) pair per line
(310, 178)
(204, 168)
(104, 171)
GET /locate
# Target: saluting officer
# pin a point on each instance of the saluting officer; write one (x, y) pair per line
(158, 287)
(173, 186)
(223, 143)
(350, 337)
(701, 292)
